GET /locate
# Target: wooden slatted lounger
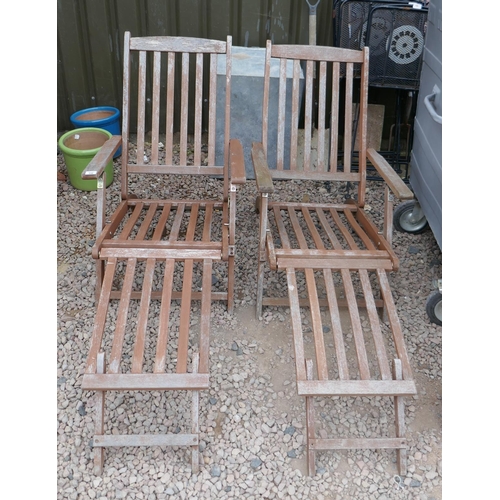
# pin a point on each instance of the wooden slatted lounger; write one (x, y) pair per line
(332, 255)
(152, 252)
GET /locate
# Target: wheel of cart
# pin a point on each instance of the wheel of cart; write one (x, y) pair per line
(408, 217)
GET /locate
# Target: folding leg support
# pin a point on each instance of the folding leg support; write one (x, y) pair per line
(99, 418)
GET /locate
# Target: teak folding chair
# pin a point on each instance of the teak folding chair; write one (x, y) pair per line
(154, 252)
(332, 254)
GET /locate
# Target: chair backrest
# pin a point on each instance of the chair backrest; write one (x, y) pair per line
(325, 153)
(177, 88)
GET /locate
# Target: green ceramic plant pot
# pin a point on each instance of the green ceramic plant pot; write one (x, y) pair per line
(78, 147)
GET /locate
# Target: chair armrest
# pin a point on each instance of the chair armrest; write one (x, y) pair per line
(263, 177)
(236, 162)
(392, 179)
(97, 165)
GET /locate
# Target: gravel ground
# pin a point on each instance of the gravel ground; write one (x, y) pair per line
(252, 421)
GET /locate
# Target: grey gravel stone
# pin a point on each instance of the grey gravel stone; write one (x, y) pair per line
(256, 463)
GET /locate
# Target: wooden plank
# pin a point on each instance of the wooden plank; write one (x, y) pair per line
(317, 52)
(348, 118)
(356, 387)
(187, 286)
(170, 106)
(162, 253)
(334, 122)
(280, 146)
(175, 169)
(359, 231)
(166, 299)
(265, 102)
(334, 263)
(130, 224)
(206, 295)
(141, 108)
(310, 424)
(155, 126)
(195, 465)
(318, 176)
(145, 382)
(121, 320)
(212, 101)
(321, 117)
(125, 114)
(177, 44)
(100, 161)
(357, 329)
(99, 415)
(358, 443)
(100, 318)
(399, 410)
(141, 234)
(198, 109)
(298, 339)
(397, 185)
(109, 230)
(395, 324)
(183, 132)
(308, 116)
(318, 253)
(378, 338)
(295, 115)
(162, 222)
(263, 177)
(236, 162)
(157, 245)
(115, 440)
(142, 320)
(176, 224)
(362, 126)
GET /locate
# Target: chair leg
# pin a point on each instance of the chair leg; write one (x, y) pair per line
(99, 419)
(263, 204)
(195, 460)
(310, 424)
(99, 268)
(399, 410)
(230, 285)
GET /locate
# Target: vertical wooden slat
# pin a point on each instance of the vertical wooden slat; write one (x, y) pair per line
(363, 121)
(207, 223)
(166, 298)
(227, 117)
(399, 411)
(359, 231)
(334, 123)
(285, 241)
(125, 113)
(310, 424)
(100, 318)
(99, 416)
(295, 115)
(162, 221)
(187, 287)
(298, 339)
(121, 320)
(170, 105)
(176, 225)
(184, 108)
(206, 289)
(395, 324)
(141, 107)
(280, 147)
(141, 234)
(357, 329)
(142, 320)
(212, 100)
(378, 339)
(348, 118)
(321, 116)
(127, 229)
(308, 116)
(195, 462)
(319, 341)
(265, 97)
(198, 108)
(155, 126)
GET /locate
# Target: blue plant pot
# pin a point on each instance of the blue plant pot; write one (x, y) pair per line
(105, 117)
